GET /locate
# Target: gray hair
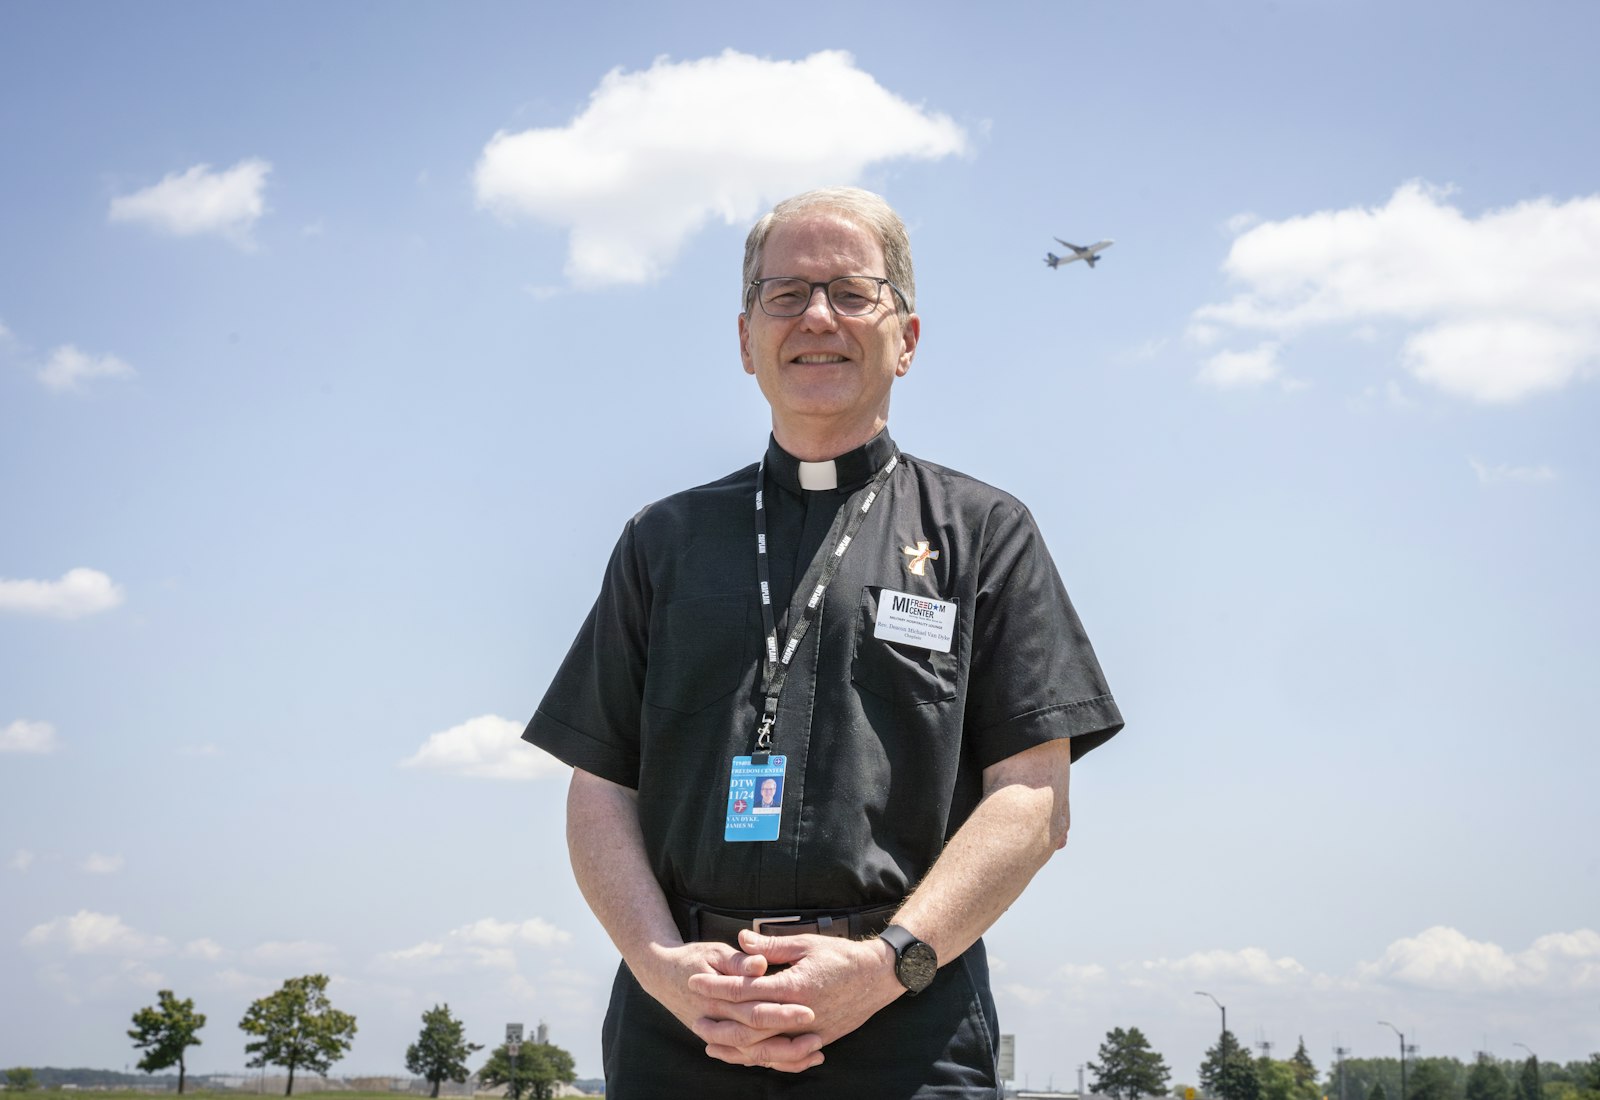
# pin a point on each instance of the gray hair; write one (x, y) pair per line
(866, 209)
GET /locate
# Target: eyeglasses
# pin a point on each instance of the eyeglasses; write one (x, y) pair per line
(848, 295)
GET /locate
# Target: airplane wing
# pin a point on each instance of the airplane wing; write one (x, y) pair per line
(1098, 246)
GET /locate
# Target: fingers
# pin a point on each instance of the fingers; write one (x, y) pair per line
(733, 987)
(745, 966)
(789, 1054)
(746, 1025)
(774, 1016)
(775, 949)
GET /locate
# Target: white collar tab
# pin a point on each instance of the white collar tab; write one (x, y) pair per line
(819, 475)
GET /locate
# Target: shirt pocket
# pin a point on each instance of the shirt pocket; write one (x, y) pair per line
(700, 650)
(895, 672)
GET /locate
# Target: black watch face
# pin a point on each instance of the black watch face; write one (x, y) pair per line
(917, 966)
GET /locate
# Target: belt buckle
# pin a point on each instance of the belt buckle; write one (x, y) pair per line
(755, 925)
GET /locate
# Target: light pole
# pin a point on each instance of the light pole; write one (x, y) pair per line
(1219, 1004)
(1222, 1040)
(1400, 1033)
(1538, 1087)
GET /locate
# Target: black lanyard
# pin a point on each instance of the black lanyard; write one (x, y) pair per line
(775, 666)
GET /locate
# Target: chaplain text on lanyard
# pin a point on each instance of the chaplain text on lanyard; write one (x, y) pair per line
(755, 786)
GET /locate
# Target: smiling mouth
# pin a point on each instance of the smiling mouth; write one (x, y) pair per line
(819, 359)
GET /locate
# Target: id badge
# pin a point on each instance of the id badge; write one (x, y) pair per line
(755, 799)
(915, 620)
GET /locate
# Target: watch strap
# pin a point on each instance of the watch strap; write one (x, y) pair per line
(897, 938)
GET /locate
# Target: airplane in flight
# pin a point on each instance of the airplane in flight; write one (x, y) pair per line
(1089, 255)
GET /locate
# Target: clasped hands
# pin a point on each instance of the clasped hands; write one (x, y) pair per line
(747, 1016)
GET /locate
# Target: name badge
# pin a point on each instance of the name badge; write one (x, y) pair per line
(755, 799)
(915, 620)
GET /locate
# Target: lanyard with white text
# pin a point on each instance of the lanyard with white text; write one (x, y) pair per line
(775, 666)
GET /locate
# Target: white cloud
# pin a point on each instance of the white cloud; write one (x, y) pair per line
(1499, 360)
(425, 951)
(1504, 473)
(1081, 974)
(90, 933)
(1251, 966)
(21, 860)
(486, 747)
(1499, 308)
(37, 738)
(1241, 221)
(237, 981)
(657, 154)
(197, 201)
(1228, 370)
(487, 943)
(499, 933)
(79, 592)
(1032, 996)
(98, 864)
(1445, 960)
(209, 950)
(137, 973)
(69, 370)
(1151, 348)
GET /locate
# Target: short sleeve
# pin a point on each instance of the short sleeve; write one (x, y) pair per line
(589, 717)
(1033, 675)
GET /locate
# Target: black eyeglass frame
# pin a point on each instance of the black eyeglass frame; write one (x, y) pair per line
(753, 294)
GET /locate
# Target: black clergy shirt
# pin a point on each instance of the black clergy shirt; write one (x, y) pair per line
(886, 742)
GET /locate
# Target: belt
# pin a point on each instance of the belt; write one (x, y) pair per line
(701, 922)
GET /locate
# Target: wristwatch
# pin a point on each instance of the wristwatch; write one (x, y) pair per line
(915, 963)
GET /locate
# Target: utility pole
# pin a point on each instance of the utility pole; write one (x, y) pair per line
(1538, 1085)
(1339, 1052)
(1222, 1052)
(1403, 1051)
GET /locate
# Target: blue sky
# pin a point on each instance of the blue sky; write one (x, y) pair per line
(321, 405)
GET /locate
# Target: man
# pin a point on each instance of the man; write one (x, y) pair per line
(769, 794)
(887, 636)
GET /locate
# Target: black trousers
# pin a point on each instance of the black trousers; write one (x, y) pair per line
(940, 1043)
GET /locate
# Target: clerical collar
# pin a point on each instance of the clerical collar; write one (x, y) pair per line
(848, 472)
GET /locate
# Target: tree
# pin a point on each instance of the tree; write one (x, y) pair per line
(1305, 1070)
(21, 1079)
(1528, 1080)
(1229, 1073)
(441, 1050)
(1377, 1092)
(1486, 1081)
(298, 1027)
(1128, 1068)
(1430, 1081)
(538, 1069)
(1276, 1079)
(164, 1030)
(1588, 1073)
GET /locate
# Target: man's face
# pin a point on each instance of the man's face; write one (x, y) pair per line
(769, 788)
(821, 373)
